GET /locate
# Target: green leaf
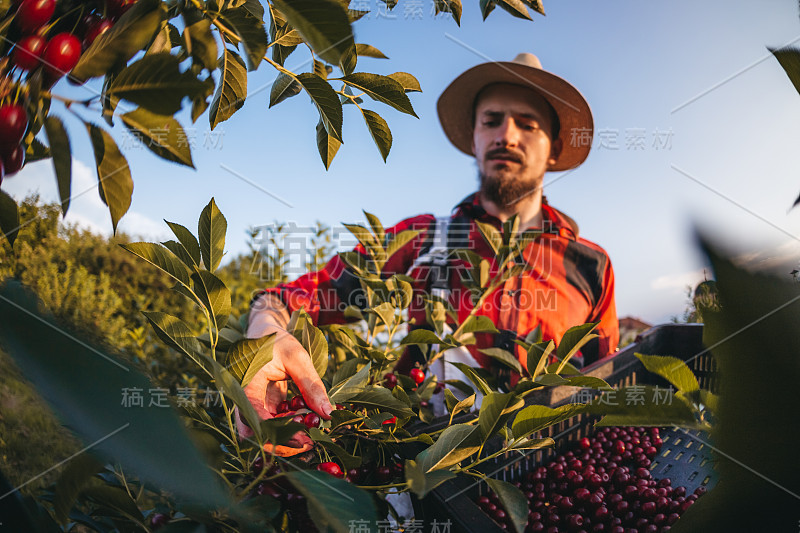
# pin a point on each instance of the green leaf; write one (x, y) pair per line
(473, 377)
(77, 474)
(533, 444)
(156, 83)
(83, 385)
(113, 48)
(290, 38)
(573, 340)
(496, 409)
(399, 240)
(334, 504)
(381, 398)
(514, 7)
(160, 257)
(455, 444)
(324, 24)
(176, 334)
(789, 59)
(420, 336)
(214, 295)
(550, 380)
(464, 405)
(345, 370)
(421, 482)
(538, 355)
(211, 229)
(9, 217)
(324, 97)
(672, 369)
(62, 158)
(453, 7)
(450, 401)
(177, 248)
(377, 227)
(487, 6)
(408, 82)
(116, 185)
(639, 405)
(351, 386)
(202, 42)
(280, 430)
(347, 461)
(589, 381)
(491, 236)
(366, 50)
(187, 240)
(228, 384)
(326, 143)
(537, 417)
(478, 324)
(284, 87)
(536, 5)
(386, 313)
(36, 151)
(251, 31)
(382, 89)
(232, 88)
(247, 356)
(503, 356)
(162, 134)
(312, 339)
(379, 130)
(513, 501)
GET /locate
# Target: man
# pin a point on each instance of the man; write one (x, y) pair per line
(517, 120)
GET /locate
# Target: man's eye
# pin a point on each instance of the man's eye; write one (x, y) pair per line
(491, 123)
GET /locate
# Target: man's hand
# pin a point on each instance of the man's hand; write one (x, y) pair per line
(268, 387)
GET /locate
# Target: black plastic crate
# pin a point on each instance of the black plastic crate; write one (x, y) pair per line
(685, 456)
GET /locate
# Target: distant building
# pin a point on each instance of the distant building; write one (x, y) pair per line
(629, 328)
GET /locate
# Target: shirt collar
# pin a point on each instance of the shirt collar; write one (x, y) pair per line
(561, 224)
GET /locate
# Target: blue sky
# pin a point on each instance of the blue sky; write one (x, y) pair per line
(695, 75)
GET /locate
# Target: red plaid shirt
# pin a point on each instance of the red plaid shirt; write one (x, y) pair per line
(571, 283)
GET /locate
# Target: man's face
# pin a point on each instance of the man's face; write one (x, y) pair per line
(511, 142)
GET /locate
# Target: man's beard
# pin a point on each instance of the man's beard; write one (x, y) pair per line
(504, 189)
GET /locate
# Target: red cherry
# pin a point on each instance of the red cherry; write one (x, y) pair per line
(61, 54)
(283, 407)
(384, 474)
(96, 30)
(269, 489)
(389, 380)
(296, 403)
(389, 421)
(311, 420)
(439, 387)
(258, 465)
(13, 123)
(116, 8)
(33, 14)
(585, 443)
(13, 162)
(300, 419)
(158, 520)
(619, 447)
(28, 52)
(417, 375)
(331, 468)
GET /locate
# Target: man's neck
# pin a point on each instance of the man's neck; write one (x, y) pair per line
(528, 210)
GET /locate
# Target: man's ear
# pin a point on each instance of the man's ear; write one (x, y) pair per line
(555, 151)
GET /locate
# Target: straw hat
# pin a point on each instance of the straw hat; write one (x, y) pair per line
(457, 103)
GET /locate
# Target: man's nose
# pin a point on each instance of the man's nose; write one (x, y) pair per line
(507, 133)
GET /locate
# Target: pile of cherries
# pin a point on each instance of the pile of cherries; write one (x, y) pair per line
(604, 485)
(46, 37)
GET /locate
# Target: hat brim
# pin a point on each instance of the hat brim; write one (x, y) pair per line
(456, 104)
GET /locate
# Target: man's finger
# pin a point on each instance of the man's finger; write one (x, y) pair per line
(300, 368)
